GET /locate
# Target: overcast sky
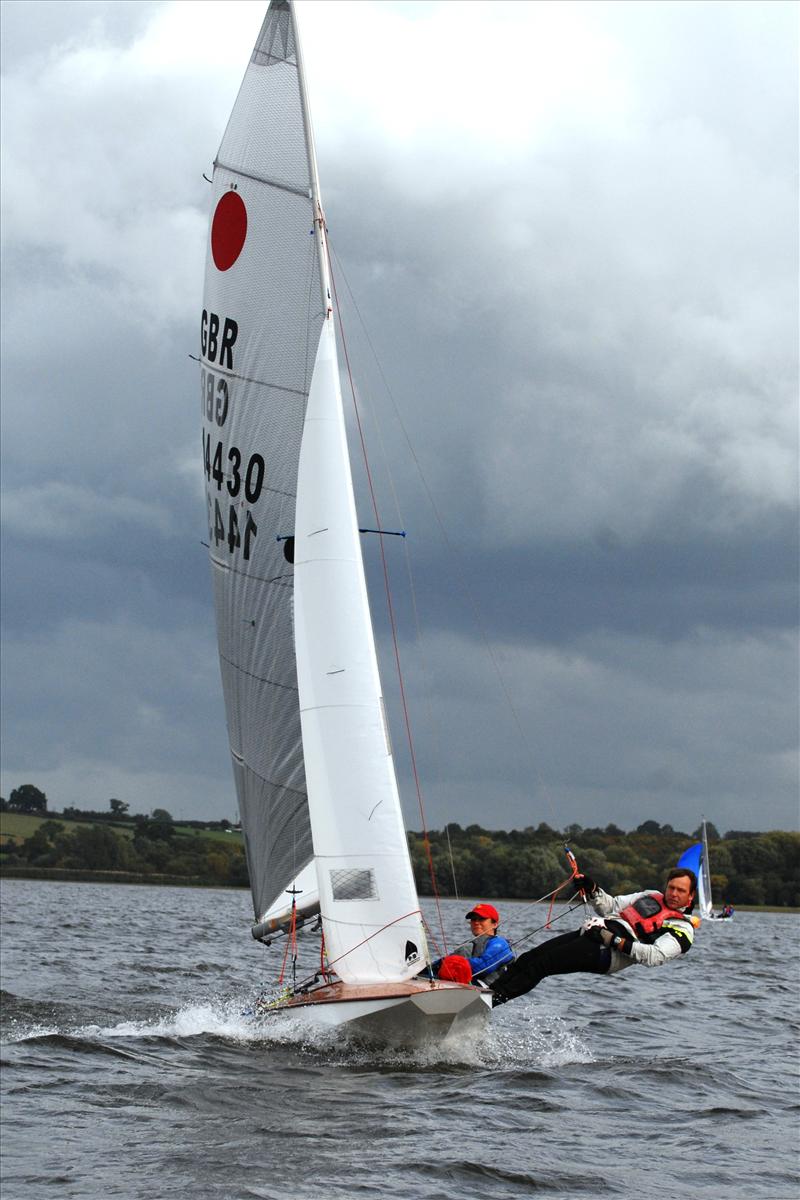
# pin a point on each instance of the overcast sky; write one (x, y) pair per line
(571, 235)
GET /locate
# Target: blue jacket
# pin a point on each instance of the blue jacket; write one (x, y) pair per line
(487, 955)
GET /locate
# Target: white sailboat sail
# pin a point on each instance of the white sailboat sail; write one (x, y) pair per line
(312, 761)
(368, 899)
(262, 317)
(705, 902)
(696, 859)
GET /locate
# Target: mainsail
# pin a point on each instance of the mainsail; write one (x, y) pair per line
(311, 754)
(261, 323)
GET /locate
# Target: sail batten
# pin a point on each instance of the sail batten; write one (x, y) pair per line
(276, 183)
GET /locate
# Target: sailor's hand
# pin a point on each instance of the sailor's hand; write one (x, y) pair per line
(594, 928)
(606, 936)
(584, 884)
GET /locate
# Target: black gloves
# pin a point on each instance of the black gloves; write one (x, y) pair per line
(585, 884)
(595, 931)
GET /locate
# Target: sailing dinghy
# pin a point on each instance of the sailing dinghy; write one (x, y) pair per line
(312, 759)
(696, 859)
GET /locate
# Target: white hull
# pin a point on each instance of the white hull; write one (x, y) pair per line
(394, 1014)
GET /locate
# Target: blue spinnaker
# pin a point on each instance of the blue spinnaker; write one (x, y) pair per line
(692, 858)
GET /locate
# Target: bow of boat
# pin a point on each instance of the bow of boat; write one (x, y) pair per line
(394, 1013)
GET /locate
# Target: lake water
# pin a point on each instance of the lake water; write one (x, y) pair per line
(129, 1070)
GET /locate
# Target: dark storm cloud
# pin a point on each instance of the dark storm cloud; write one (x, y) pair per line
(585, 303)
(557, 593)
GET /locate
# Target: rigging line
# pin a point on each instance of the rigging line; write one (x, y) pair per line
(547, 924)
(552, 895)
(322, 959)
(465, 586)
(415, 912)
(290, 944)
(431, 723)
(428, 690)
(429, 933)
(452, 864)
(390, 606)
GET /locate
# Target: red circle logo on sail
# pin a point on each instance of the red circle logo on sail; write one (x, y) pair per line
(228, 230)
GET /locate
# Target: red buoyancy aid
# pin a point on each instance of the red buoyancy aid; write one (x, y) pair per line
(647, 914)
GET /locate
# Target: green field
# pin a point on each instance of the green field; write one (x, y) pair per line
(16, 827)
(233, 836)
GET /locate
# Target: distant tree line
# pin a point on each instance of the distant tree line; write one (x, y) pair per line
(29, 799)
(746, 867)
(147, 845)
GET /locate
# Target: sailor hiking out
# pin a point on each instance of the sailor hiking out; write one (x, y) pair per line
(644, 928)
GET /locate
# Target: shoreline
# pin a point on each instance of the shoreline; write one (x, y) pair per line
(76, 875)
(80, 875)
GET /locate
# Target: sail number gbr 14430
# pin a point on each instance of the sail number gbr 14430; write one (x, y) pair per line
(236, 482)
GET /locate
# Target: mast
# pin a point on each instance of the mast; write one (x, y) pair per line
(705, 876)
(320, 231)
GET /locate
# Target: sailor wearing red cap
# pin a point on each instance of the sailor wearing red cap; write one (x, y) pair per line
(482, 958)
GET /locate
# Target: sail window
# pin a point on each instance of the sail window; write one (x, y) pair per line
(354, 884)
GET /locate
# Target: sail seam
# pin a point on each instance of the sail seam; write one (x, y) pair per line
(274, 183)
(258, 678)
(306, 708)
(275, 491)
(274, 581)
(276, 783)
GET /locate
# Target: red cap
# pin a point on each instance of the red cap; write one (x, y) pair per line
(484, 910)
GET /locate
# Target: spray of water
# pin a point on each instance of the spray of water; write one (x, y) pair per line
(533, 1039)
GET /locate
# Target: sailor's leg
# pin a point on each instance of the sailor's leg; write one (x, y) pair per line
(559, 956)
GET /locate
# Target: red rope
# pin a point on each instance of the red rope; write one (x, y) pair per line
(573, 862)
(414, 913)
(291, 940)
(406, 717)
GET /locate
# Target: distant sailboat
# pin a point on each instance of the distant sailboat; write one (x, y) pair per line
(696, 859)
(311, 753)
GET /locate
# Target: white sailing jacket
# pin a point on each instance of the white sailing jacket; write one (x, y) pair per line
(646, 954)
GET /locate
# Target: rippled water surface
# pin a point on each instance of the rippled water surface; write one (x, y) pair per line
(130, 1071)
